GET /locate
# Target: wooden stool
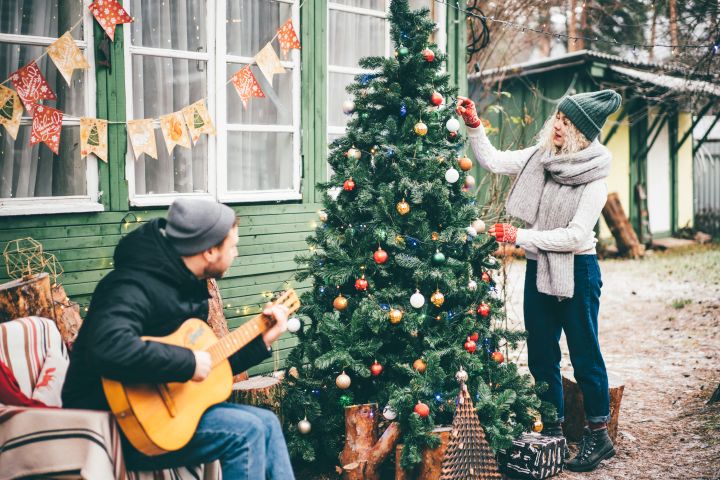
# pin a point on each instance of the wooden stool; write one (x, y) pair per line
(574, 423)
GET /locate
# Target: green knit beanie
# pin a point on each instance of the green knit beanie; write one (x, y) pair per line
(588, 111)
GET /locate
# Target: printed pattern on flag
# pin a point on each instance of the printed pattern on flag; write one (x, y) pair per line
(197, 118)
(246, 85)
(109, 13)
(142, 137)
(31, 86)
(288, 38)
(269, 63)
(10, 111)
(93, 138)
(174, 132)
(46, 126)
(67, 56)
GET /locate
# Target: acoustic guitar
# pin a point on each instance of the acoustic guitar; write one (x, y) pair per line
(161, 418)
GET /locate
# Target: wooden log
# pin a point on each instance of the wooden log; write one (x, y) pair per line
(217, 320)
(67, 316)
(260, 391)
(575, 421)
(431, 464)
(618, 223)
(364, 452)
(26, 297)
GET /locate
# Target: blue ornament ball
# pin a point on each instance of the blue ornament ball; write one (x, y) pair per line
(403, 110)
(385, 307)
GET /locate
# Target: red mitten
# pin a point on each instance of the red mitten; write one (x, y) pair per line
(466, 108)
(504, 232)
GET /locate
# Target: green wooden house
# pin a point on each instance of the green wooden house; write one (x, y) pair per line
(265, 160)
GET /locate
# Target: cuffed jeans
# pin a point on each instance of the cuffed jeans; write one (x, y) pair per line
(546, 317)
(247, 440)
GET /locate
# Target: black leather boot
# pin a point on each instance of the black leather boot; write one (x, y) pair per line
(596, 446)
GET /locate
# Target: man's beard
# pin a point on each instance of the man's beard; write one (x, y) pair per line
(212, 271)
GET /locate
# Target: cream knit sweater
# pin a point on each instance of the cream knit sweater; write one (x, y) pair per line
(578, 237)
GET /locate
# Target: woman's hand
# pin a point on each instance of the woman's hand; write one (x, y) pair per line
(503, 232)
(466, 109)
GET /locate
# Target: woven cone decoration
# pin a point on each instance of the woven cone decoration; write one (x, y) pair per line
(468, 456)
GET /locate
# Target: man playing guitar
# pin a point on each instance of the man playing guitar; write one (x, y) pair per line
(159, 281)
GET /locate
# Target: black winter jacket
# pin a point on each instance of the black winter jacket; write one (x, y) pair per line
(150, 292)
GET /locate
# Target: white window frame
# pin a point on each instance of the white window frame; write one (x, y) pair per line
(217, 60)
(70, 203)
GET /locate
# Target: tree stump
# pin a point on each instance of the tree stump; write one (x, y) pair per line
(217, 320)
(364, 452)
(67, 316)
(260, 391)
(26, 297)
(431, 465)
(575, 422)
(618, 223)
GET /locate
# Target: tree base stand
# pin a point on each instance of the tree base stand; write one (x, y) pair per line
(430, 467)
(26, 297)
(574, 423)
(364, 452)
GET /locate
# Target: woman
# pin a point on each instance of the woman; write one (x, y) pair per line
(559, 192)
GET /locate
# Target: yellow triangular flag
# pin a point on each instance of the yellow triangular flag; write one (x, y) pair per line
(93, 138)
(67, 56)
(197, 118)
(11, 110)
(174, 132)
(269, 62)
(142, 137)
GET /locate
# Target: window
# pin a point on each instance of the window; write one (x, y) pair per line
(178, 55)
(32, 178)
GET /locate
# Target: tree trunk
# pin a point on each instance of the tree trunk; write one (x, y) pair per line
(67, 316)
(572, 27)
(26, 297)
(364, 452)
(575, 422)
(673, 24)
(260, 391)
(583, 27)
(622, 230)
(430, 467)
(653, 32)
(217, 320)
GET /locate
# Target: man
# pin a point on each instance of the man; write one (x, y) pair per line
(159, 281)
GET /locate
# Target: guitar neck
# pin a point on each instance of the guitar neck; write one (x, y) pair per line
(237, 339)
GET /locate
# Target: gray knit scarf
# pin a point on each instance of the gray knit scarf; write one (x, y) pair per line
(547, 192)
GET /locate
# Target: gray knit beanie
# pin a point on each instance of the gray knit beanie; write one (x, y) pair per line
(588, 111)
(195, 225)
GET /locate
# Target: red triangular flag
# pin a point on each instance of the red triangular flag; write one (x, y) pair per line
(46, 125)
(246, 85)
(288, 38)
(31, 86)
(109, 13)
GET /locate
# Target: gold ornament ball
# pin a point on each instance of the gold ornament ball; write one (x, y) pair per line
(421, 129)
(537, 426)
(322, 214)
(343, 381)
(403, 207)
(340, 303)
(395, 316)
(419, 365)
(399, 239)
(465, 163)
(437, 298)
(354, 153)
(435, 236)
(461, 375)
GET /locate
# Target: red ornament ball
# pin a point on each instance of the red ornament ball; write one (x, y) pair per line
(376, 369)
(484, 309)
(486, 277)
(361, 284)
(475, 336)
(436, 99)
(470, 346)
(380, 256)
(349, 185)
(498, 357)
(422, 410)
(453, 134)
(428, 55)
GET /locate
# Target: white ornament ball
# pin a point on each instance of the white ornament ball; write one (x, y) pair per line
(472, 285)
(471, 232)
(343, 381)
(479, 225)
(354, 153)
(461, 375)
(389, 413)
(322, 214)
(469, 181)
(417, 300)
(304, 426)
(452, 175)
(453, 125)
(293, 324)
(348, 107)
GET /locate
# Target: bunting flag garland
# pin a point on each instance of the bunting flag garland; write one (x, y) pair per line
(142, 137)
(269, 63)
(246, 85)
(109, 13)
(31, 86)
(288, 38)
(197, 118)
(10, 111)
(46, 126)
(173, 131)
(67, 56)
(93, 138)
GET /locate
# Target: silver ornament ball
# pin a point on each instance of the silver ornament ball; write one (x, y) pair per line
(294, 324)
(389, 413)
(304, 426)
(472, 285)
(417, 300)
(348, 107)
(453, 125)
(452, 175)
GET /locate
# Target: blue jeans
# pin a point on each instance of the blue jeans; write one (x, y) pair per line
(247, 440)
(546, 317)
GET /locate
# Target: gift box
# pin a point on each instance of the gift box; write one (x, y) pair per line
(533, 456)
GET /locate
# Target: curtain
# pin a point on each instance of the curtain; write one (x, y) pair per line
(35, 171)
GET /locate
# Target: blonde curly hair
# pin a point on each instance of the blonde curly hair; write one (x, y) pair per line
(574, 139)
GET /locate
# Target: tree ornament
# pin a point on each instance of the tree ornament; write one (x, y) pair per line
(354, 153)
(348, 107)
(304, 426)
(380, 256)
(403, 51)
(471, 232)
(479, 225)
(349, 185)
(461, 375)
(453, 125)
(421, 129)
(322, 214)
(470, 346)
(484, 309)
(343, 381)
(395, 316)
(438, 258)
(364, 115)
(485, 277)
(497, 356)
(345, 401)
(376, 369)
(403, 110)
(537, 426)
(452, 175)
(436, 99)
(417, 300)
(472, 285)
(437, 298)
(453, 134)
(389, 413)
(403, 207)
(475, 336)
(294, 324)
(465, 164)
(428, 55)
(469, 181)
(419, 365)
(361, 284)
(422, 410)
(434, 236)
(340, 303)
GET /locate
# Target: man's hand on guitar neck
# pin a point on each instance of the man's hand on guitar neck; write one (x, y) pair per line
(280, 314)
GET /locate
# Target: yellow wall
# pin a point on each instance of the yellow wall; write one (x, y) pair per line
(685, 174)
(619, 179)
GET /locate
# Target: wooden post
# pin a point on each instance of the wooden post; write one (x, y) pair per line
(364, 452)
(26, 297)
(574, 423)
(622, 230)
(431, 465)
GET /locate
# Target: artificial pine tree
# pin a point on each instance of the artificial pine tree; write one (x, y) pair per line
(397, 233)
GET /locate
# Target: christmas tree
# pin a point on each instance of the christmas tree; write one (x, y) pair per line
(94, 137)
(404, 227)
(7, 110)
